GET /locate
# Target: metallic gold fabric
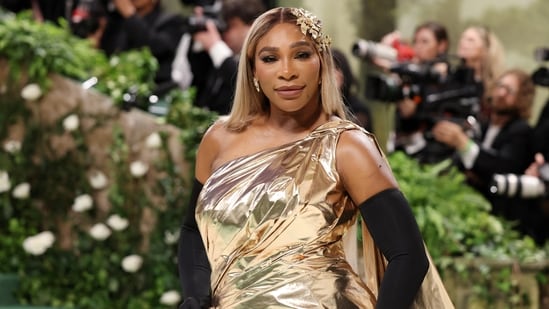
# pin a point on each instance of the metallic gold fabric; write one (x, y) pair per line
(272, 224)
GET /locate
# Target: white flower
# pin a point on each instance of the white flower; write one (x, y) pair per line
(171, 238)
(71, 123)
(117, 223)
(138, 168)
(5, 183)
(82, 203)
(132, 263)
(39, 243)
(170, 298)
(21, 191)
(153, 141)
(98, 180)
(31, 92)
(12, 146)
(100, 231)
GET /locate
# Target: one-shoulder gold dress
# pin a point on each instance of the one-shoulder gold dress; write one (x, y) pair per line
(272, 225)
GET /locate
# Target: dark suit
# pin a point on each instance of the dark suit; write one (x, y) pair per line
(215, 86)
(159, 30)
(511, 153)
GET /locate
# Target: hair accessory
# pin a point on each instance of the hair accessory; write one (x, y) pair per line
(309, 23)
(256, 85)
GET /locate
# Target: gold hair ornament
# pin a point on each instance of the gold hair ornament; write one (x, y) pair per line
(309, 23)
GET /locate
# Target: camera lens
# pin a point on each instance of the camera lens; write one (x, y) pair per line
(512, 185)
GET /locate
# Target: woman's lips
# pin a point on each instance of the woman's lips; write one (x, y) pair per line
(289, 92)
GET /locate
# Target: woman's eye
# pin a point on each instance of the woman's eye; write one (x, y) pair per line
(268, 59)
(303, 55)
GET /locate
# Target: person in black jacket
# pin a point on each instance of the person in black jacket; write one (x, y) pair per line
(505, 142)
(347, 83)
(42, 10)
(145, 23)
(212, 54)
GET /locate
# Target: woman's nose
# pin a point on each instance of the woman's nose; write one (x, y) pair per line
(287, 70)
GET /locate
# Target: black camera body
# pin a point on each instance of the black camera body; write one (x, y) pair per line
(452, 93)
(211, 11)
(440, 90)
(523, 186)
(86, 17)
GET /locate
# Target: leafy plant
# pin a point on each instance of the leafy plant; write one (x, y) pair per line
(459, 230)
(68, 251)
(38, 49)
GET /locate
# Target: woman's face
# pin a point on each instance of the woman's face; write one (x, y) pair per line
(471, 45)
(426, 46)
(287, 67)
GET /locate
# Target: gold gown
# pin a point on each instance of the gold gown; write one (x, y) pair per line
(272, 225)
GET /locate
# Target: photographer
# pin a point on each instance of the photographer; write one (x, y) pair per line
(144, 23)
(420, 74)
(504, 145)
(209, 52)
(42, 10)
(430, 44)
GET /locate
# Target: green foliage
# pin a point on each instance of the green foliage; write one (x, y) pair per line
(455, 221)
(182, 114)
(40, 49)
(80, 269)
(37, 50)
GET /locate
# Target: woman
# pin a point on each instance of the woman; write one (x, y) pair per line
(481, 50)
(282, 178)
(430, 44)
(430, 41)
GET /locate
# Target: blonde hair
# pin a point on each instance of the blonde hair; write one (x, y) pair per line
(493, 62)
(248, 102)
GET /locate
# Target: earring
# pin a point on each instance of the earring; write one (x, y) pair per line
(256, 85)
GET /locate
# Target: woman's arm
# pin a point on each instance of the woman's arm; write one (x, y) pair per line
(388, 217)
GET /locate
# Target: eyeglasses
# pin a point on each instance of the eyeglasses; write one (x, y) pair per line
(508, 89)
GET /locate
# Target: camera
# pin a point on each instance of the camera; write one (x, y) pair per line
(524, 186)
(440, 89)
(86, 17)
(367, 50)
(211, 11)
(444, 88)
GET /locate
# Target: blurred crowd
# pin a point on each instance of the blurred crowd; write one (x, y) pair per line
(453, 101)
(468, 107)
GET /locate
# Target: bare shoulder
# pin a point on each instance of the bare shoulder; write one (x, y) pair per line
(362, 165)
(209, 148)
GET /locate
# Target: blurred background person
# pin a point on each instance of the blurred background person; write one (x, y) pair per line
(347, 85)
(481, 50)
(89, 20)
(135, 24)
(430, 44)
(42, 10)
(504, 146)
(210, 55)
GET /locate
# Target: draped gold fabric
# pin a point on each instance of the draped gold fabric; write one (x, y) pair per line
(272, 224)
